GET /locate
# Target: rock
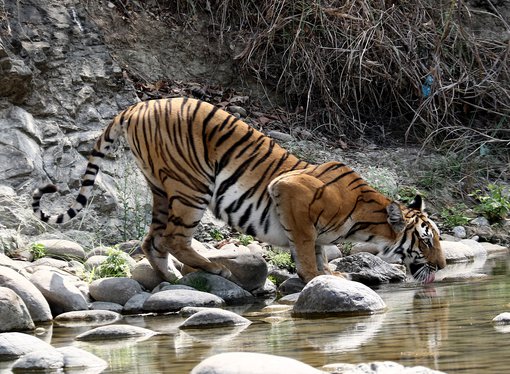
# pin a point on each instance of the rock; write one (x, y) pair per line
(75, 357)
(105, 305)
(291, 285)
(459, 232)
(116, 290)
(217, 285)
(15, 344)
(63, 249)
(59, 291)
(14, 315)
(188, 311)
(269, 288)
(10, 239)
(368, 269)
(88, 317)
(462, 251)
(98, 251)
(251, 363)
(494, 248)
(280, 136)
(214, 317)
(378, 367)
(249, 270)
(34, 300)
(289, 299)
(47, 360)
(115, 332)
(144, 274)
(332, 252)
(164, 286)
(174, 300)
(94, 261)
(480, 221)
(328, 294)
(237, 109)
(132, 247)
(502, 318)
(135, 304)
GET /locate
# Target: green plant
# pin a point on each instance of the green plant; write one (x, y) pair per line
(346, 248)
(273, 279)
(115, 265)
(38, 250)
(134, 200)
(281, 259)
(199, 283)
(216, 234)
(454, 215)
(494, 202)
(245, 239)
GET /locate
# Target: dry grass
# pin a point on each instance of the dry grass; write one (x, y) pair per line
(359, 66)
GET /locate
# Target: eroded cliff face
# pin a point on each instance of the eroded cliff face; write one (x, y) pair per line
(59, 86)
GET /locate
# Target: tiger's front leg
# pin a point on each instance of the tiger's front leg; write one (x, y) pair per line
(294, 194)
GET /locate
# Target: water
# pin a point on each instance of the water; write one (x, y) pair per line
(446, 326)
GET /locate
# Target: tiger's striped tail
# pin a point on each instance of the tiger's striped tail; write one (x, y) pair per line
(102, 146)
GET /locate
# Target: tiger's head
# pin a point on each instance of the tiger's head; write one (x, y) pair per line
(417, 242)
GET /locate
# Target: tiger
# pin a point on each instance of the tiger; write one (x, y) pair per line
(195, 156)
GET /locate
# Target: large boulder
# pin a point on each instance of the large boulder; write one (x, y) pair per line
(60, 291)
(328, 294)
(34, 300)
(368, 269)
(15, 344)
(64, 249)
(252, 363)
(219, 286)
(249, 270)
(116, 290)
(14, 315)
(175, 300)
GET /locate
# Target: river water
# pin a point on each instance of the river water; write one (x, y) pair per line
(445, 326)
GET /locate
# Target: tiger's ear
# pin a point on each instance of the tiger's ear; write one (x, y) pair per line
(395, 217)
(417, 204)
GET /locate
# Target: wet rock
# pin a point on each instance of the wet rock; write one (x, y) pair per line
(378, 367)
(217, 285)
(64, 249)
(60, 291)
(135, 304)
(34, 300)
(105, 305)
(251, 363)
(188, 311)
(40, 360)
(174, 300)
(88, 317)
(368, 269)
(214, 317)
(327, 294)
(114, 332)
(15, 344)
(116, 290)
(75, 357)
(14, 315)
(289, 299)
(502, 318)
(291, 285)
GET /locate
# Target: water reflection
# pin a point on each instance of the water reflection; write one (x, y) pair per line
(446, 327)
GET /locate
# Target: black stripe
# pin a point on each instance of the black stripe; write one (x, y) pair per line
(81, 199)
(246, 216)
(87, 182)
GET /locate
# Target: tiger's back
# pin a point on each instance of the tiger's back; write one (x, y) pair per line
(196, 156)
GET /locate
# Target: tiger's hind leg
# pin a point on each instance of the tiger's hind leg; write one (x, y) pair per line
(158, 258)
(184, 214)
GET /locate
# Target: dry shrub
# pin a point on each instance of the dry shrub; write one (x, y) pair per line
(362, 66)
